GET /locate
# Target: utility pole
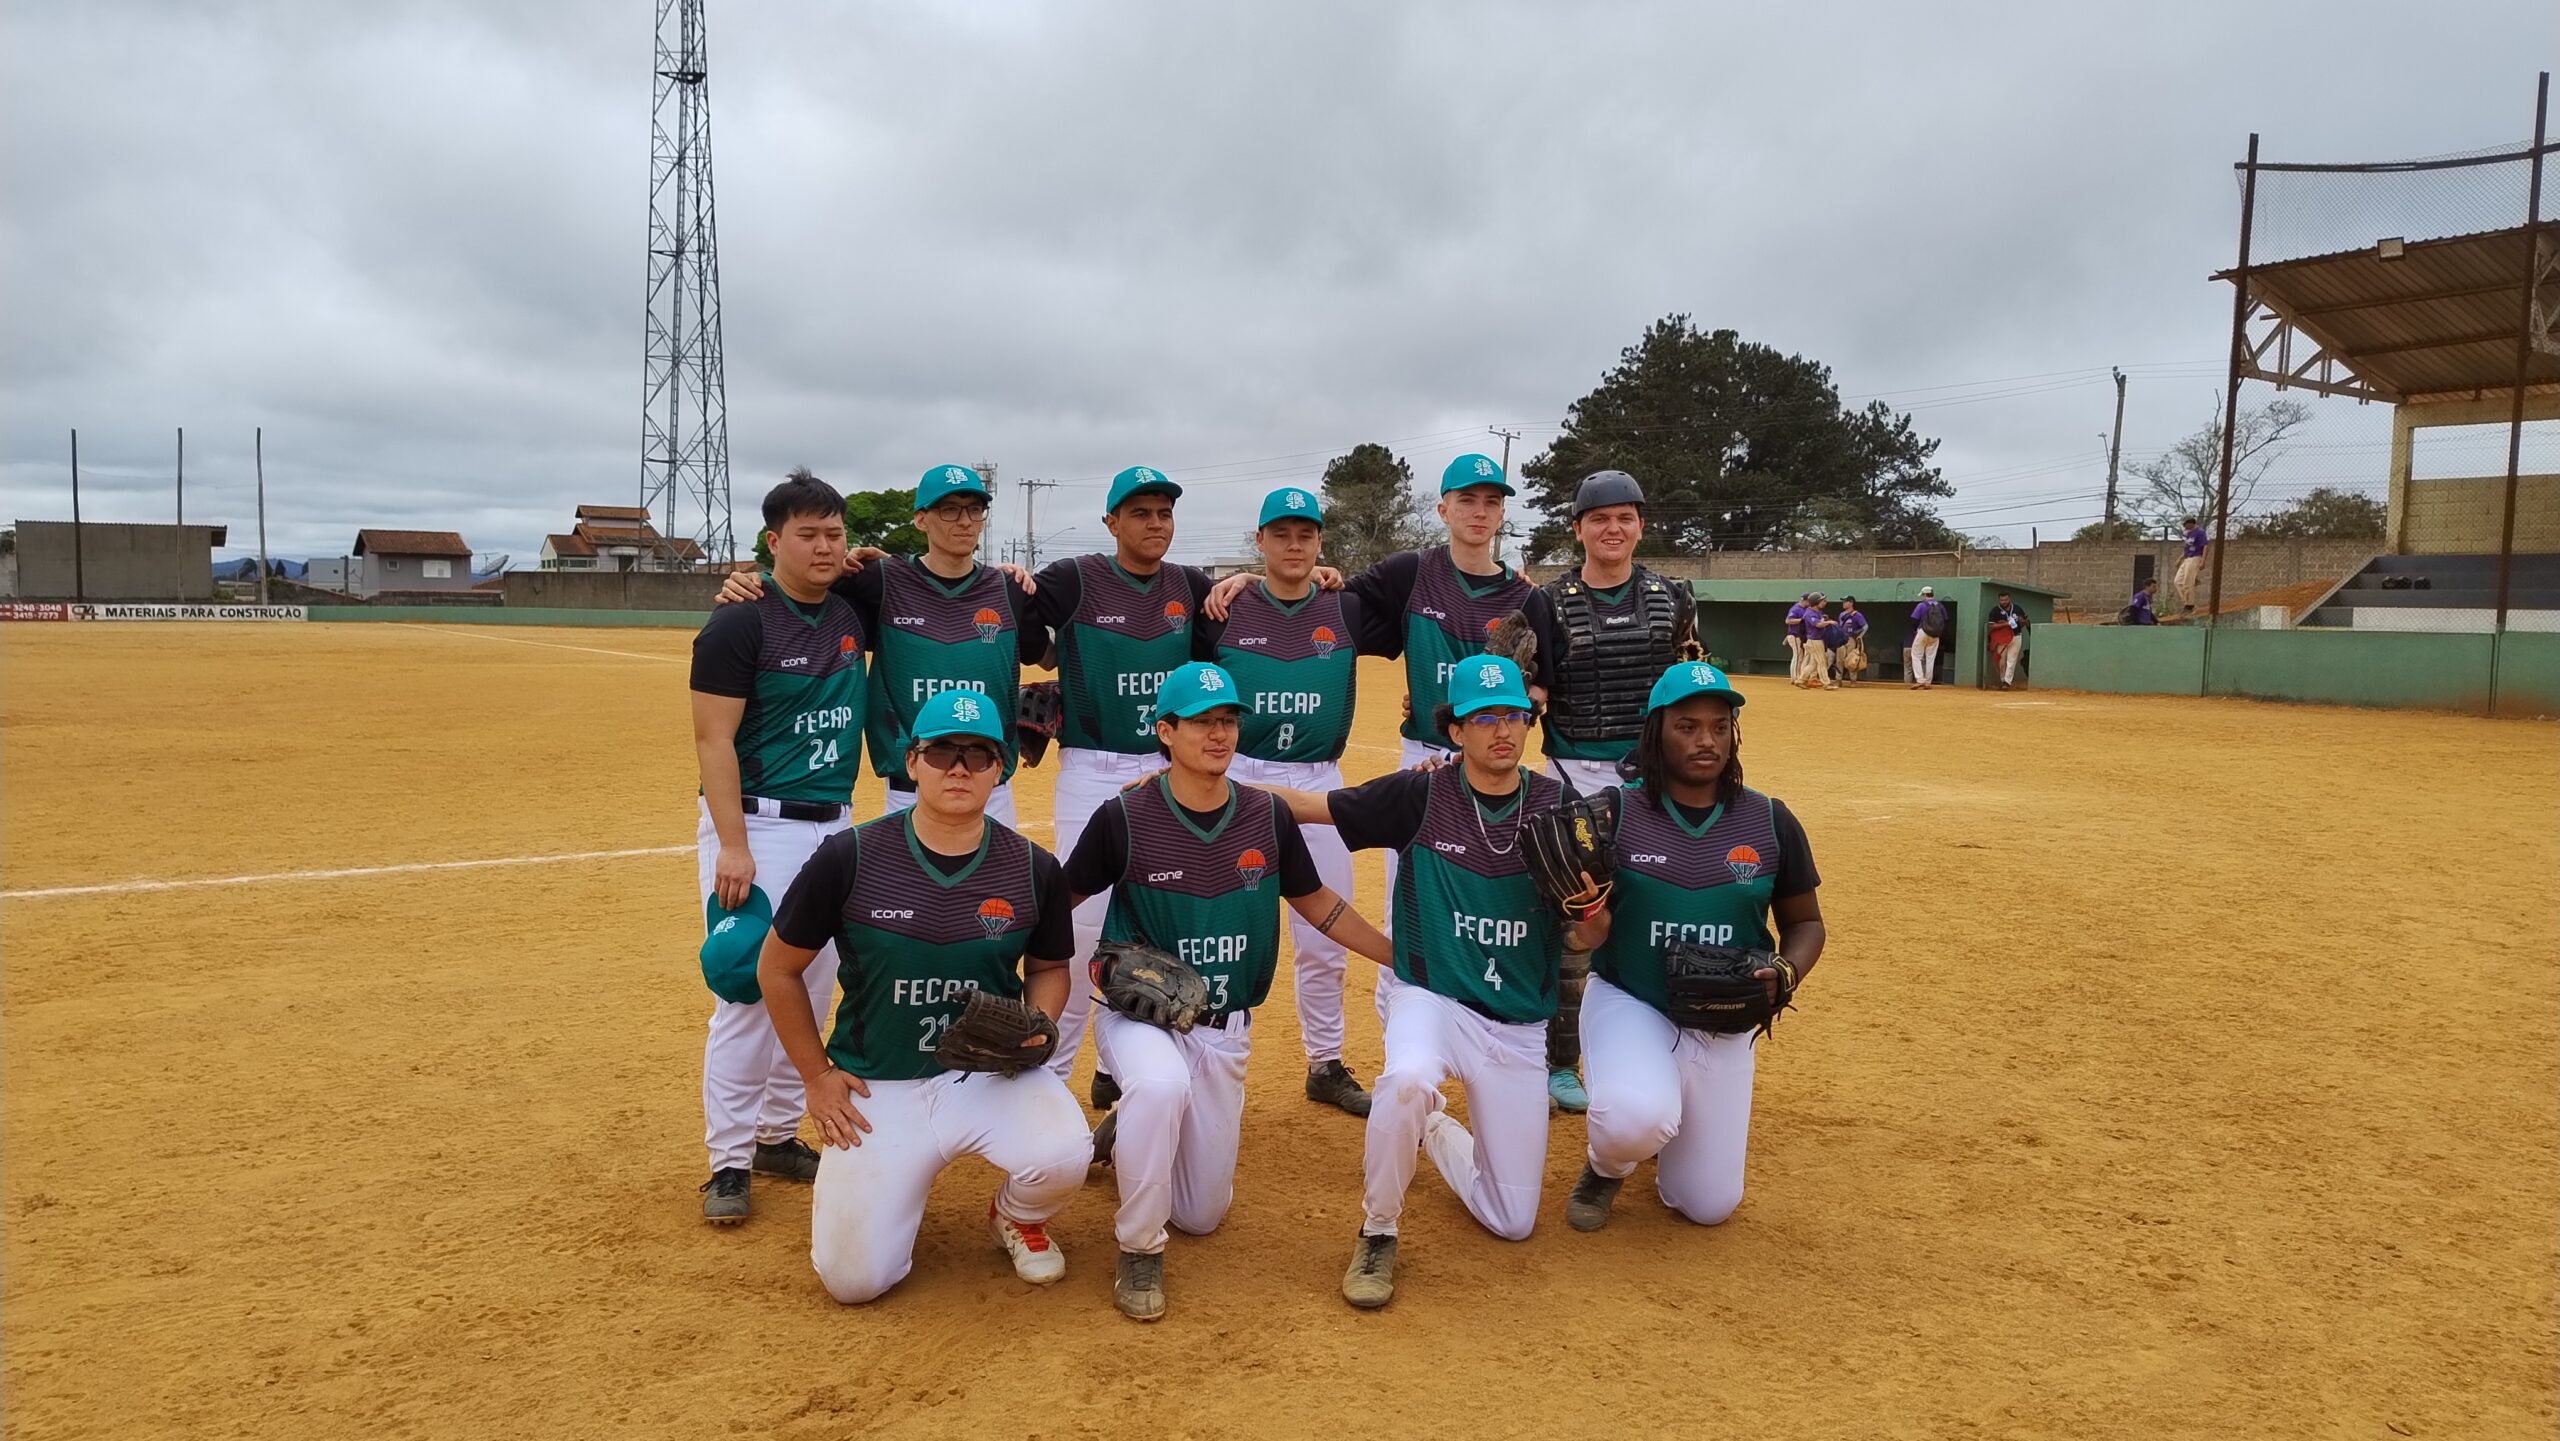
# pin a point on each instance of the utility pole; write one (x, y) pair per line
(986, 470)
(1508, 436)
(79, 571)
(182, 513)
(262, 515)
(1030, 529)
(2115, 451)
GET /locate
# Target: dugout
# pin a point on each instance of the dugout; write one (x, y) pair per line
(1744, 622)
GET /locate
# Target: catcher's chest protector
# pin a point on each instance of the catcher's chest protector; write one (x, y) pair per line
(1710, 884)
(912, 943)
(935, 635)
(1613, 652)
(1445, 622)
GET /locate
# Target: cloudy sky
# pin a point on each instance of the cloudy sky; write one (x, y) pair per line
(408, 238)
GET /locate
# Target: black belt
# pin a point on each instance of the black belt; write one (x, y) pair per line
(792, 810)
(1217, 1020)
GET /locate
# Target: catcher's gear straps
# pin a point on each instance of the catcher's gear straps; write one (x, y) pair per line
(1605, 674)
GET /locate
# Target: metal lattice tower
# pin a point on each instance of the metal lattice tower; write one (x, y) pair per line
(684, 407)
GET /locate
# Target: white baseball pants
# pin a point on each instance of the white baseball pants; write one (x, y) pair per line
(1181, 1113)
(1085, 780)
(999, 804)
(1683, 1097)
(2009, 658)
(1923, 658)
(1495, 1168)
(750, 1091)
(1795, 660)
(1586, 777)
(870, 1198)
(1319, 960)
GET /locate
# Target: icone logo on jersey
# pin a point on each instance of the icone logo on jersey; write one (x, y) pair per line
(1743, 861)
(794, 662)
(1249, 865)
(1324, 639)
(1176, 616)
(1154, 876)
(995, 913)
(988, 623)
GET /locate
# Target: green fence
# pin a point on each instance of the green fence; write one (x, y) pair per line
(511, 615)
(2516, 674)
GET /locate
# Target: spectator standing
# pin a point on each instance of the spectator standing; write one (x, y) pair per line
(2008, 638)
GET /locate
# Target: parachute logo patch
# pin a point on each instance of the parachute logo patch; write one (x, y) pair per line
(1743, 861)
(1250, 866)
(995, 913)
(988, 623)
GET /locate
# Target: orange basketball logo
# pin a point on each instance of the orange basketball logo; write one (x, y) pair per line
(1175, 615)
(1250, 866)
(1324, 639)
(988, 623)
(1743, 861)
(847, 645)
(995, 913)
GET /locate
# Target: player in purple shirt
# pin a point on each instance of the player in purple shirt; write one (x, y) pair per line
(1795, 637)
(2190, 562)
(1929, 625)
(2137, 611)
(1853, 640)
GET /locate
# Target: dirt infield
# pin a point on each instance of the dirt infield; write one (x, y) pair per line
(2178, 1068)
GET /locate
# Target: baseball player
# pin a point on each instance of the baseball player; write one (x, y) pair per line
(1820, 632)
(1929, 626)
(1194, 865)
(1699, 858)
(922, 906)
(2192, 542)
(2008, 638)
(937, 621)
(1474, 978)
(1606, 630)
(1853, 640)
(777, 728)
(1293, 649)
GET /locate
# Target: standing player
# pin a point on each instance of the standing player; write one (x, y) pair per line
(923, 906)
(777, 729)
(1606, 630)
(2191, 547)
(937, 622)
(1293, 649)
(1853, 640)
(1929, 626)
(1194, 865)
(1474, 981)
(1795, 638)
(1699, 858)
(2008, 638)
(1820, 632)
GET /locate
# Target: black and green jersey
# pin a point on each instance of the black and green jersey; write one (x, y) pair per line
(800, 670)
(1707, 877)
(1445, 615)
(915, 933)
(1210, 894)
(1296, 663)
(1117, 636)
(1469, 924)
(933, 634)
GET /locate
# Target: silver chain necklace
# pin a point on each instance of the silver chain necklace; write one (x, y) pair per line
(1478, 807)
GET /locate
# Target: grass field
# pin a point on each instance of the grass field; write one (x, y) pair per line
(2177, 1068)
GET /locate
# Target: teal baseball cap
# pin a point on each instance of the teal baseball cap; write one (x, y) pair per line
(1483, 682)
(958, 713)
(945, 480)
(1138, 480)
(1291, 503)
(1469, 471)
(732, 941)
(1193, 689)
(1691, 677)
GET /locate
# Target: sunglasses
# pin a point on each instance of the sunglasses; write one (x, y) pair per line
(942, 755)
(1492, 718)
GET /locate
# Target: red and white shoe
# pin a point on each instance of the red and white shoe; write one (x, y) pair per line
(1036, 1258)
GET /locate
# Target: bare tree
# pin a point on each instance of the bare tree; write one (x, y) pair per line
(2182, 480)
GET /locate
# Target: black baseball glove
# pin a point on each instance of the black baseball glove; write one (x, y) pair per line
(1038, 712)
(1718, 988)
(991, 1035)
(1562, 846)
(1146, 984)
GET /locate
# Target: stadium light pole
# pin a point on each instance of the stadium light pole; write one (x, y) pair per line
(2231, 401)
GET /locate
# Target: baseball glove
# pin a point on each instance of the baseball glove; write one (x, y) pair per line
(990, 1035)
(1512, 638)
(1146, 984)
(1576, 839)
(1712, 988)
(1038, 712)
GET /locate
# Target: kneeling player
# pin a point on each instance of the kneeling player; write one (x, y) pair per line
(1699, 859)
(1196, 866)
(1475, 970)
(924, 906)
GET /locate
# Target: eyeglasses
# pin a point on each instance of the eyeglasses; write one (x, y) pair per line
(1489, 719)
(959, 512)
(942, 755)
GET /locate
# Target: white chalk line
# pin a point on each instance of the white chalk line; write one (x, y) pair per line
(434, 629)
(344, 873)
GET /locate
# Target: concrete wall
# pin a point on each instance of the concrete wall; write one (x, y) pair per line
(378, 573)
(2467, 516)
(116, 562)
(2516, 674)
(612, 590)
(2097, 576)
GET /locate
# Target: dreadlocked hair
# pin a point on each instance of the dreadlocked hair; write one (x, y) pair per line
(1653, 768)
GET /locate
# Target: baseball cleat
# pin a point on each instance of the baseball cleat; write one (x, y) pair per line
(1138, 1290)
(724, 1196)
(793, 1160)
(1331, 1083)
(1587, 1209)
(1106, 1091)
(1036, 1258)
(1565, 1089)
(1371, 1281)
(1103, 1136)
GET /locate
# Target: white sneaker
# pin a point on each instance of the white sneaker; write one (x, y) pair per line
(1036, 1258)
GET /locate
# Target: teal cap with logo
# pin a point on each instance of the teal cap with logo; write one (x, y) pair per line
(1689, 678)
(945, 480)
(732, 941)
(1138, 480)
(1469, 471)
(1483, 682)
(957, 712)
(1291, 503)
(1190, 690)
